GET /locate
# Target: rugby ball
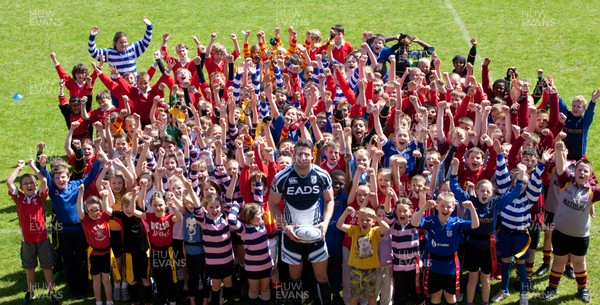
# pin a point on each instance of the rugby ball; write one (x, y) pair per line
(308, 234)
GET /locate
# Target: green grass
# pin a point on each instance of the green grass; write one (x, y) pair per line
(558, 36)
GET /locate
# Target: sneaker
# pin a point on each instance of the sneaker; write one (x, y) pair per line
(548, 294)
(459, 297)
(124, 294)
(116, 293)
(501, 295)
(29, 296)
(523, 299)
(543, 269)
(584, 295)
(569, 272)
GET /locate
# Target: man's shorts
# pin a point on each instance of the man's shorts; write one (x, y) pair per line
(31, 252)
(363, 282)
(293, 252)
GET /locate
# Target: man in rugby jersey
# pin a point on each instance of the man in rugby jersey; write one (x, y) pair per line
(300, 186)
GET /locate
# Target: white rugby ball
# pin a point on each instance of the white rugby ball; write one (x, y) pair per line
(308, 234)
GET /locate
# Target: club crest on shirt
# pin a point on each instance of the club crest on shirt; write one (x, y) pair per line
(313, 179)
(449, 233)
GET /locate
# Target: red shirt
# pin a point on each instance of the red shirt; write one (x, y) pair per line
(97, 233)
(340, 53)
(30, 211)
(161, 229)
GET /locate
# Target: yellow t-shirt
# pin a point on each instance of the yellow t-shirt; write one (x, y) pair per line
(363, 253)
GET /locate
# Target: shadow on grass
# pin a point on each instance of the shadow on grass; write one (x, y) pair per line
(11, 209)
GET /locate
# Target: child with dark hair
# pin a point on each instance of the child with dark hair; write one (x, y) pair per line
(122, 55)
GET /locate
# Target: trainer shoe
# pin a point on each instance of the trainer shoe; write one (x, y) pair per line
(569, 272)
(548, 294)
(523, 299)
(584, 295)
(543, 269)
(29, 296)
(124, 294)
(501, 295)
(459, 297)
(116, 293)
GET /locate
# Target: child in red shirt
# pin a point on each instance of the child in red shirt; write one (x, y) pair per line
(97, 234)
(34, 243)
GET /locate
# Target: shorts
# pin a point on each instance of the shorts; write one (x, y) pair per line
(274, 248)
(437, 282)
(100, 263)
(534, 232)
(511, 243)
(477, 259)
(292, 252)
(563, 244)
(139, 265)
(116, 242)
(259, 275)
(219, 272)
(32, 252)
(363, 282)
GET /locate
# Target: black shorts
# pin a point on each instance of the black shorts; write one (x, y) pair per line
(477, 259)
(99, 264)
(219, 272)
(548, 218)
(563, 244)
(178, 254)
(259, 275)
(116, 242)
(139, 265)
(439, 282)
(534, 232)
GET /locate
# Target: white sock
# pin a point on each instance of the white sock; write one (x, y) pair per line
(117, 284)
(99, 303)
(124, 285)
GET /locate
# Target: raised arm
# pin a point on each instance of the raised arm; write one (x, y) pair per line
(340, 222)
(80, 212)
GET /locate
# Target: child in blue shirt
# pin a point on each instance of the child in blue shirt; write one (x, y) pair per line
(443, 236)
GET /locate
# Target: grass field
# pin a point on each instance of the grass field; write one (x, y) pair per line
(559, 36)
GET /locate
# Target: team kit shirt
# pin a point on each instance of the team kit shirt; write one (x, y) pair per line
(161, 230)
(574, 203)
(442, 242)
(30, 211)
(301, 194)
(97, 233)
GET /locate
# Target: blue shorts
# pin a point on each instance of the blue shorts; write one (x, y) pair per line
(512, 242)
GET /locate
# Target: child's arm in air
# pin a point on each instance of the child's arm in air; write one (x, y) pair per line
(80, 191)
(340, 222)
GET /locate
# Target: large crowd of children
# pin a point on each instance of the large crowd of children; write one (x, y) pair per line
(195, 175)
